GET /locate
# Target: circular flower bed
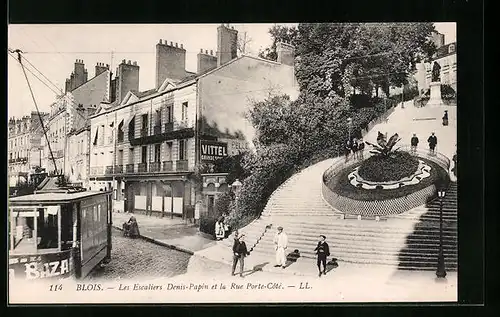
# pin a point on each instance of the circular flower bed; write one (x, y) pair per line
(341, 184)
(423, 171)
(395, 166)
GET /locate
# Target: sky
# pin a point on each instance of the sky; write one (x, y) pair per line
(53, 49)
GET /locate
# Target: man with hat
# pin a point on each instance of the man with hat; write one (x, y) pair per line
(239, 253)
(280, 242)
(322, 251)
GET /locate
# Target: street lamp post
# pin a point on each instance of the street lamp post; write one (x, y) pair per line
(441, 271)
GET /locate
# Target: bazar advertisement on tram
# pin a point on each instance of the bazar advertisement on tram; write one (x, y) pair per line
(38, 266)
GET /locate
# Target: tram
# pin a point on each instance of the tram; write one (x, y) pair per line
(59, 233)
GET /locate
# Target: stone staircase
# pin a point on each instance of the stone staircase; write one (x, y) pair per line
(408, 241)
(424, 240)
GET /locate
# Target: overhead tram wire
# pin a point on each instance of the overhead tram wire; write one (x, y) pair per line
(18, 51)
(57, 93)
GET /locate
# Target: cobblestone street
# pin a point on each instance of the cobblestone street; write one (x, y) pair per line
(136, 258)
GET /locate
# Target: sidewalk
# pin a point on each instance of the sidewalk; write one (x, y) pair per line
(355, 282)
(173, 233)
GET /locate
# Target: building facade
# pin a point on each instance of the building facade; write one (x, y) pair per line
(68, 118)
(24, 146)
(446, 57)
(147, 146)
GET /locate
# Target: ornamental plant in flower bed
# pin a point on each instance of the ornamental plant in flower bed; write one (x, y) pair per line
(340, 184)
(393, 167)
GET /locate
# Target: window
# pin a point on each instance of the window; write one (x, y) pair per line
(157, 152)
(168, 154)
(184, 110)
(182, 150)
(131, 128)
(158, 117)
(145, 121)
(34, 229)
(144, 156)
(169, 113)
(131, 156)
(451, 48)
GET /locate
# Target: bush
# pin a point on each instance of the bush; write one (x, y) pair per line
(393, 167)
(207, 224)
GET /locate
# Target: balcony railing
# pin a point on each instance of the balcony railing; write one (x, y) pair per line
(181, 165)
(169, 126)
(130, 168)
(144, 132)
(142, 167)
(154, 166)
(168, 166)
(118, 169)
(157, 129)
(109, 169)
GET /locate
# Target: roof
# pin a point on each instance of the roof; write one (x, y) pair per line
(94, 91)
(187, 81)
(444, 50)
(52, 198)
(143, 94)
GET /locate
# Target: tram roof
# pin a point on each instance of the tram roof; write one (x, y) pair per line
(53, 197)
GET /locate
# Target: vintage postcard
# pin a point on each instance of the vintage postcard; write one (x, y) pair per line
(232, 163)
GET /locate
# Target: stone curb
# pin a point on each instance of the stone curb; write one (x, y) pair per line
(163, 244)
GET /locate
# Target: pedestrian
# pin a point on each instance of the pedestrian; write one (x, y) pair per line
(355, 148)
(219, 229)
(445, 118)
(280, 243)
(361, 148)
(414, 143)
(322, 251)
(347, 149)
(432, 140)
(239, 253)
(131, 228)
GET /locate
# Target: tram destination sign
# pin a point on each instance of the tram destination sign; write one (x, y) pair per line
(212, 150)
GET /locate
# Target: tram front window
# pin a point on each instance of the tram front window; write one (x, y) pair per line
(23, 231)
(34, 229)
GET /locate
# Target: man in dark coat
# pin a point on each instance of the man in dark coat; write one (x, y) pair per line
(347, 149)
(445, 118)
(322, 251)
(239, 253)
(414, 143)
(361, 148)
(432, 140)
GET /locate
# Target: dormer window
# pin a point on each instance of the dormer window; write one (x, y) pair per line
(451, 48)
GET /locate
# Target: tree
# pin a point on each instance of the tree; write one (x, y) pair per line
(242, 43)
(279, 33)
(347, 57)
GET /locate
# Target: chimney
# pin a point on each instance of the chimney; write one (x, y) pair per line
(286, 53)
(206, 62)
(227, 39)
(127, 79)
(101, 68)
(79, 73)
(170, 62)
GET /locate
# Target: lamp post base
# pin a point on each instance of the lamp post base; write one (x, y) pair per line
(441, 271)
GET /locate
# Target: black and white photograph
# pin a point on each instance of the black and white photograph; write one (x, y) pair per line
(232, 163)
